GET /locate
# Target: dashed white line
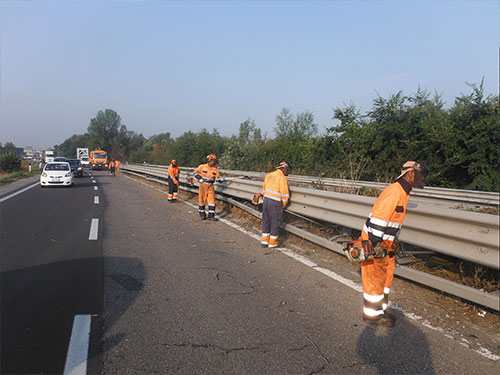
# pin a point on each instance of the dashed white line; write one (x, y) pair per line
(76, 359)
(96, 188)
(96, 199)
(94, 229)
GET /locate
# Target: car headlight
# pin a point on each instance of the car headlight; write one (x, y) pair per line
(79, 168)
(68, 174)
(44, 174)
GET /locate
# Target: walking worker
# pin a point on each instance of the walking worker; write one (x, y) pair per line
(112, 167)
(117, 166)
(276, 196)
(207, 174)
(379, 232)
(173, 181)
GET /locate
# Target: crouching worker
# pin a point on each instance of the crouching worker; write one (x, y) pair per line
(173, 181)
(207, 175)
(276, 196)
(377, 237)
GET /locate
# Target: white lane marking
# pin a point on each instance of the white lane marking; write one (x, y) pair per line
(351, 284)
(96, 199)
(76, 359)
(18, 192)
(96, 188)
(94, 229)
(93, 181)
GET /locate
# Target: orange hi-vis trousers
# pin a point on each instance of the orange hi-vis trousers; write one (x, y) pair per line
(206, 194)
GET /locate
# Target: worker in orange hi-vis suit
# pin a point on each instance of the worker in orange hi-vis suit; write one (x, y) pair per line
(117, 166)
(207, 175)
(111, 167)
(379, 232)
(276, 196)
(173, 181)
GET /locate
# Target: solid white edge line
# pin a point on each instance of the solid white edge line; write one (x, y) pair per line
(18, 192)
(351, 284)
(94, 229)
(76, 359)
(96, 199)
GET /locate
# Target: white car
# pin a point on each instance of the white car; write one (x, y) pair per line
(85, 162)
(56, 174)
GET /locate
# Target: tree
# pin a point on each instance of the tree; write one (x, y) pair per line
(69, 146)
(104, 129)
(298, 129)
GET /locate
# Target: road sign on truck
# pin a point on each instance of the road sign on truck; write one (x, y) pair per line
(83, 155)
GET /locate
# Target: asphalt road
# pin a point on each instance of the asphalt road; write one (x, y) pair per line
(50, 273)
(169, 294)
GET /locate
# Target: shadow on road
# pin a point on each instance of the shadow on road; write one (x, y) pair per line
(39, 303)
(402, 349)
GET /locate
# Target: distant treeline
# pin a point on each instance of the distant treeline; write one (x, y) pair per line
(459, 144)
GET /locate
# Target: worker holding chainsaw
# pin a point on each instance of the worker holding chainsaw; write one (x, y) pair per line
(276, 196)
(173, 181)
(207, 174)
(374, 248)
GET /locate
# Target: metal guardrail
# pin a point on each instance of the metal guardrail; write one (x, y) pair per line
(465, 235)
(429, 192)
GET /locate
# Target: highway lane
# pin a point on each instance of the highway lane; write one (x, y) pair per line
(50, 273)
(190, 297)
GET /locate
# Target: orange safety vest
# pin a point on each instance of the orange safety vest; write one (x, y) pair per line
(386, 218)
(173, 172)
(117, 163)
(276, 187)
(111, 165)
(206, 174)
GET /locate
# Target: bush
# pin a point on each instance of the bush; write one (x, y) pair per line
(9, 162)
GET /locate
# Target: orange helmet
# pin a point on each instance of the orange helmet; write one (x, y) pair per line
(211, 157)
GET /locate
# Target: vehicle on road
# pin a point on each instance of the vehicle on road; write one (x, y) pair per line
(56, 174)
(76, 167)
(85, 162)
(98, 159)
(60, 158)
(48, 156)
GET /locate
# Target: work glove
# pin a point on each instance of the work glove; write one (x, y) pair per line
(191, 180)
(256, 198)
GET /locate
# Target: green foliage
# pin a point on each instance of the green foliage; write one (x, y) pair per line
(104, 129)
(9, 162)
(69, 146)
(459, 144)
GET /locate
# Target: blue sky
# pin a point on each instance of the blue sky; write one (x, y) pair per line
(174, 66)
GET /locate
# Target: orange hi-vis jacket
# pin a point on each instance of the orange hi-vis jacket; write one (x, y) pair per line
(276, 187)
(386, 218)
(111, 165)
(206, 174)
(173, 173)
(117, 163)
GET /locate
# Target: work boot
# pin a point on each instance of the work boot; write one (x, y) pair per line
(203, 215)
(383, 321)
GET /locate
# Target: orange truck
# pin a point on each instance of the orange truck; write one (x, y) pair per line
(98, 159)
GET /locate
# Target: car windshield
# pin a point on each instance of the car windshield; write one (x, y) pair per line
(100, 155)
(74, 163)
(57, 167)
(85, 159)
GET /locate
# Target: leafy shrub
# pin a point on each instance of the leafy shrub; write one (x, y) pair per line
(9, 162)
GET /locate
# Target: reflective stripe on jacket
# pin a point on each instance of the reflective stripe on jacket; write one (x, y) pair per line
(386, 218)
(276, 187)
(206, 174)
(173, 173)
